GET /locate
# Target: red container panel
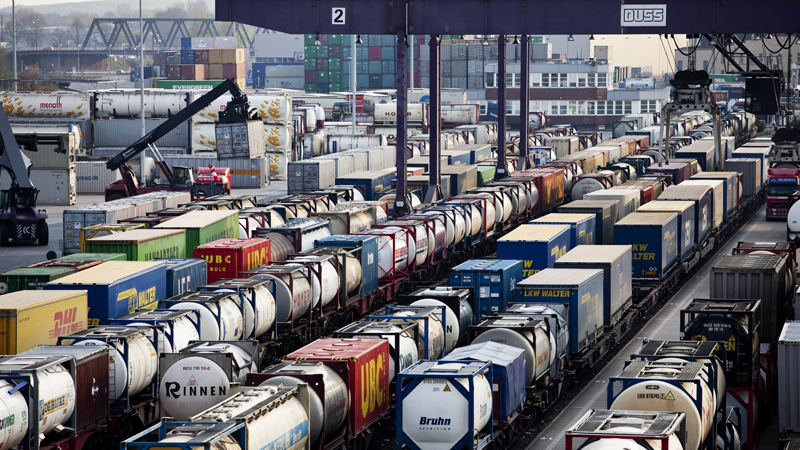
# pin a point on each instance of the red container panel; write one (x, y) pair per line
(549, 182)
(201, 56)
(159, 58)
(193, 72)
(225, 258)
(174, 72)
(233, 70)
(645, 192)
(374, 53)
(364, 365)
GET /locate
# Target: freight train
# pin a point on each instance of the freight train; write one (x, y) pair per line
(318, 281)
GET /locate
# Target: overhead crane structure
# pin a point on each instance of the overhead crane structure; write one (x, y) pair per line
(501, 17)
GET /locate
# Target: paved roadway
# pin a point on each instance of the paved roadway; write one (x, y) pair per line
(663, 326)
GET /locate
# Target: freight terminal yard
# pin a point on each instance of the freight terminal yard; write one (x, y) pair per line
(274, 269)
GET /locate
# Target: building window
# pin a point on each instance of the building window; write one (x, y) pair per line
(602, 80)
(563, 108)
(509, 107)
(562, 80)
(582, 107)
(590, 108)
(573, 79)
(536, 80)
(491, 80)
(627, 106)
(582, 80)
(482, 109)
(601, 107)
(554, 108)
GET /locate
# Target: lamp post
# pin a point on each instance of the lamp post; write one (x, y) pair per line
(14, 38)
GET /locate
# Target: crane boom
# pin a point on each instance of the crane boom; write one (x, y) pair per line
(11, 157)
(237, 110)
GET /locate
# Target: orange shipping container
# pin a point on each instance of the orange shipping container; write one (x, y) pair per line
(32, 318)
(225, 258)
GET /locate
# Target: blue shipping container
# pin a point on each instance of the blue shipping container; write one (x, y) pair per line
(605, 215)
(654, 238)
(730, 194)
(703, 212)
(686, 223)
(494, 281)
(184, 275)
(508, 374)
(186, 43)
(581, 288)
(367, 247)
(372, 181)
(187, 56)
(482, 153)
(118, 288)
(581, 226)
(537, 246)
(457, 157)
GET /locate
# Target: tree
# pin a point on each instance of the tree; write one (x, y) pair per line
(29, 26)
(77, 31)
(6, 71)
(38, 86)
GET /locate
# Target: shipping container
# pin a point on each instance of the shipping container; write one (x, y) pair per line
(462, 178)
(750, 168)
(788, 367)
(756, 277)
(123, 132)
(92, 177)
(549, 183)
(730, 191)
(717, 198)
(616, 262)
(142, 244)
(477, 152)
(371, 182)
(582, 226)
(424, 162)
(105, 229)
(508, 376)
(756, 151)
(678, 171)
(118, 288)
(627, 201)
(75, 219)
(203, 227)
(240, 140)
(227, 258)
(457, 157)
(360, 362)
(703, 151)
(310, 175)
(605, 212)
(56, 187)
(32, 318)
(701, 196)
(31, 278)
(184, 275)
(486, 174)
(582, 289)
(654, 238)
(94, 257)
(494, 282)
(687, 227)
(537, 246)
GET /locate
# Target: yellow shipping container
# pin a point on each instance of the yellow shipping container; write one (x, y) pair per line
(29, 319)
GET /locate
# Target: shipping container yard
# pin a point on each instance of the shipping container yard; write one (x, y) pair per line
(251, 275)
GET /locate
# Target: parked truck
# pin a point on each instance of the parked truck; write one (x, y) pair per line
(781, 184)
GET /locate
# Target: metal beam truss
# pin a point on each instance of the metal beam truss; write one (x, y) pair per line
(167, 31)
(504, 17)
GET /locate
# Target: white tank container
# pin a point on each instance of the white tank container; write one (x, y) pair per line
(463, 318)
(224, 323)
(421, 239)
(203, 136)
(56, 387)
(393, 249)
(460, 114)
(291, 300)
(128, 103)
(278, 138)
(327, 289)
(537, 360)
(584, 186)
(196, 383)
(337, 399)
(452, 322)
(387, 113)
(136, 371)
(183, 332)
(259, 315)
(278, 425)
(436, 339)
(15, 405)
(629, 444)
(434, 399)
(415, 201)
(698, 423)
(67, 105)
(408, 353)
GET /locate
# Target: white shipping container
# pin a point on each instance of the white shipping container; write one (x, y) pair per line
(92, 177)
(56, 186)
(75, 219)
(387, 113)
(278, 138)
(245, 173)
(390, 132)
(127, 103)
(340, 142)
(73, 105)
(124, 132)
(461, 114)
(47, 157)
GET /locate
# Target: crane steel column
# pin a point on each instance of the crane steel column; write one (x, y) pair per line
(501, 107)
(524, 105)
(401, 206)
(434, 120)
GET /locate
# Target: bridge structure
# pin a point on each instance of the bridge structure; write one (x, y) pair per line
(719, 19)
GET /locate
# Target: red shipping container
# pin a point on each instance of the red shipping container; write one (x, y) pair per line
(193, 72)
(201, 56)
(233, 71)
(374, 53)
(645, 192)
(225, 258)
(159, 58)
(174, 72)
(549, 182)
(364, 365)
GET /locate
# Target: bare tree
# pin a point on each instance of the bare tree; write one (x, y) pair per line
(29, 26)
(34, 74)
(77, 31)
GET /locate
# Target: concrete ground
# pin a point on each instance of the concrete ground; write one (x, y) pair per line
(27, 254)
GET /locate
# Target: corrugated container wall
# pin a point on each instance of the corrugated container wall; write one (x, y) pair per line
(605, 212)
(788, 368)
(184, 275)
(32, 318)
(124, 132)
(654, 239)
(92, 177)
(494, 282)
(141, 244)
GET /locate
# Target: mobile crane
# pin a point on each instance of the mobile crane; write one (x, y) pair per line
(179, 179)
(20, 220)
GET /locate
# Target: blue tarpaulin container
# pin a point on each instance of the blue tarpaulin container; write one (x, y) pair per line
(537, 246)
(654, 238)
(457, 157)
(581, 226)
(494, 281)
(118, 288)
(184, 275)
(605, 215)
(371, 181)
(703, 208)
(508, 375)
(582, 289)
(731, 191)
(686, 223)
(366, 251)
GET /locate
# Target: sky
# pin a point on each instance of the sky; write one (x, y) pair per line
(4, 3)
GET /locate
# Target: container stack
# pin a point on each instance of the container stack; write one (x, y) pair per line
(200, 59)
(324, 62)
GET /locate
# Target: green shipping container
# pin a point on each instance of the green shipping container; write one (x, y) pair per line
(334, 39)
(334, 77)
(309, 39)
(335, 63)
(203, 227)
(485, 174)
(323, 76)
(94, 257)
(336, 87)
(188, 84)
(322, 51)
(310, 88)
(176, 58)
(310, 51)
(311, 64)
(31, 278)
(142, 245)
